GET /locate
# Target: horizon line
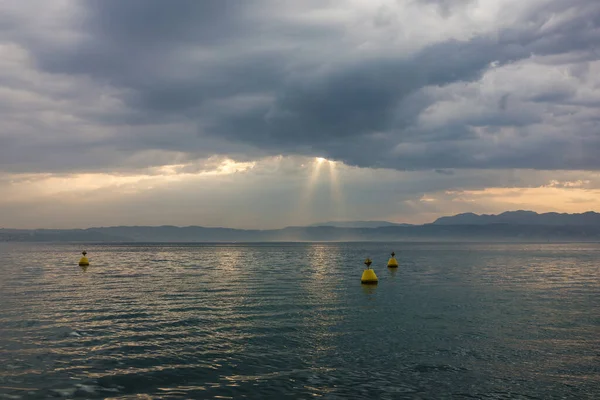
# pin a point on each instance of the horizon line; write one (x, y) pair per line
(313, 225)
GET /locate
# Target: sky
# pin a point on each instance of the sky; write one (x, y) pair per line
(265, 113)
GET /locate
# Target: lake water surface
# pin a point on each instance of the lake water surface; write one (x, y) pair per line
(490, 321)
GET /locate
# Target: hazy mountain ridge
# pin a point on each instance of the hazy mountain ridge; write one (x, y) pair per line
(518, 225)
(522, 218)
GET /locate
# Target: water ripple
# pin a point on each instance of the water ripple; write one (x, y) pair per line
(488, 321)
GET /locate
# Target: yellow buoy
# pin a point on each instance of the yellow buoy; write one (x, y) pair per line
(84, 262)
(368, 276)
(392, 262)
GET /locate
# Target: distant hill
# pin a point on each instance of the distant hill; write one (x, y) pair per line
(358, 224)
(508, 226)
(59, 235)
(523, 218)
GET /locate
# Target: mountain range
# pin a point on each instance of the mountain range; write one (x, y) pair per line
(522, 218)
(508, 226)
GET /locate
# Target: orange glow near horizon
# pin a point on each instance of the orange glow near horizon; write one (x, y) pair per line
(52, 198)
(541, 199)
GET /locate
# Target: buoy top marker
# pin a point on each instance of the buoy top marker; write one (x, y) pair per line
(368, 262)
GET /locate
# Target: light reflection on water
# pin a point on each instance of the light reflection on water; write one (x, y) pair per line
(270, 320)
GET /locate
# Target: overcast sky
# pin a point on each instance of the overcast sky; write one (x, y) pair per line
(262, 114)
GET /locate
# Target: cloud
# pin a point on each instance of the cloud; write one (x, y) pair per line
(406, 85)
(213, 111)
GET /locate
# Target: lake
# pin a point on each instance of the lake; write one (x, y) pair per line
(490, 321)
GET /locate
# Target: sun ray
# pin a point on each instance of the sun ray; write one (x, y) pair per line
(303, 209)
(336, 191)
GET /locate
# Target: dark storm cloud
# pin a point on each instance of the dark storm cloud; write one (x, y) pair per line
(259, 78)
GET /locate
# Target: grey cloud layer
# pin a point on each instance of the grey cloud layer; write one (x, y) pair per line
(195, 78)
